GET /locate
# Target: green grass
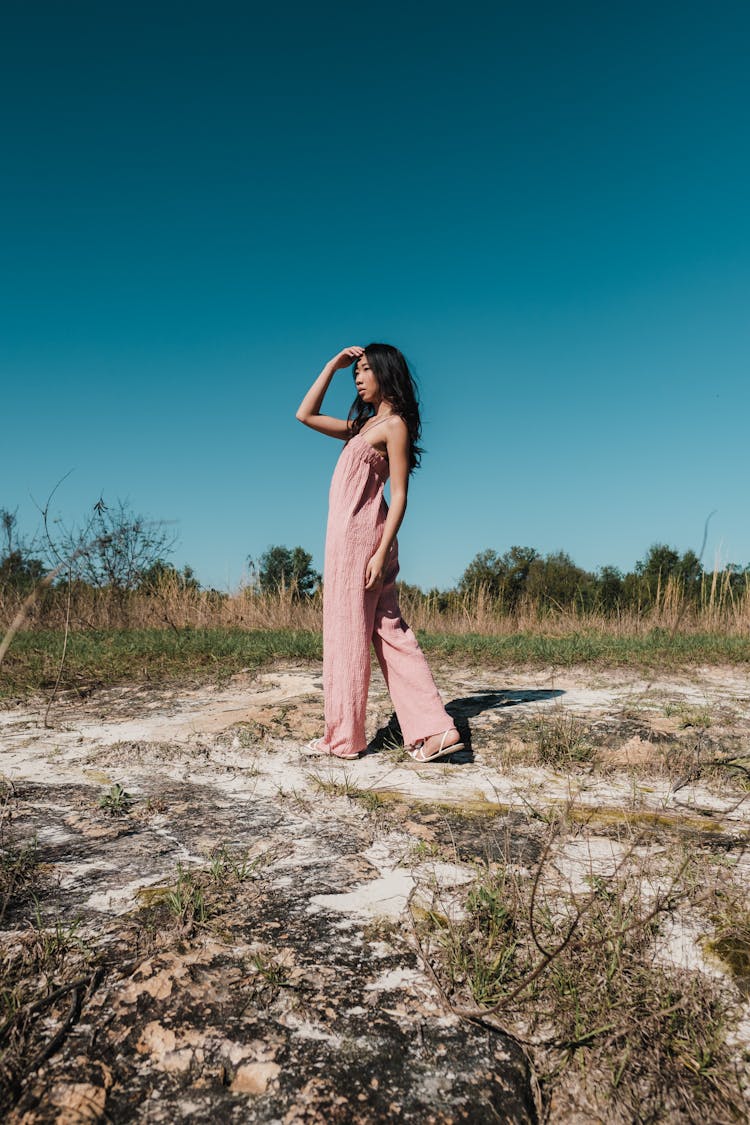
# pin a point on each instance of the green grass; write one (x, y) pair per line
(99, 658)
(609, 1026)
(657, 648)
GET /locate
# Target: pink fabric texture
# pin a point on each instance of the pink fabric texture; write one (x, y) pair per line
(353, 616)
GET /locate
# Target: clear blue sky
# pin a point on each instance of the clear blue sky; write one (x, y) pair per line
(544, 205)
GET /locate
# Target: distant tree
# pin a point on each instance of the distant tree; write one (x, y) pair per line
(442, 600)
(662, 563)
(161, 572)
(737, 577)
(284, 568)
(114, 548)
(19, 568)
(483, 570)
(502, 576)
(690, 571)
(406, 590)
(610, 588)
(556, 580)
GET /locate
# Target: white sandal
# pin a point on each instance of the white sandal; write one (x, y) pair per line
(320, 748)
(443, 751)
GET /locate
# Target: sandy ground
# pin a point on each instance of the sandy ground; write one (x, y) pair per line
(345, 848)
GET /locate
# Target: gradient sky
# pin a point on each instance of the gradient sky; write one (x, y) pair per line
(544, 205)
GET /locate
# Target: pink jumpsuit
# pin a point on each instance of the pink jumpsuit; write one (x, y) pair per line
(353, 615)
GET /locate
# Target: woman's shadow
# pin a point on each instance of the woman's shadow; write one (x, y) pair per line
(462, 710)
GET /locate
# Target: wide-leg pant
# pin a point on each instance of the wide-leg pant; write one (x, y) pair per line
(353, 617)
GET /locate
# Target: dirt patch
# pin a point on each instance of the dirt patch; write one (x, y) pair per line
(233, 917)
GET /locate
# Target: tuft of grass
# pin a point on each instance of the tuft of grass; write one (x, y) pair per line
(561, 739)
(116, 802)
(613, 1033)
(55, 942)
(18, 868)
(690, 716)
(228, 869)
(200, 895)
(186, 900)
(271, 970)
(344, 786)
(370, 799)
(268, 975)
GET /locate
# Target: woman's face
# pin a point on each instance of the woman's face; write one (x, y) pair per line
(366, 383)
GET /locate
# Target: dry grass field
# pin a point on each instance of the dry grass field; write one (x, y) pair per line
(720, 608)
(201, 921)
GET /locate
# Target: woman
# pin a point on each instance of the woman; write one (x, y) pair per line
(360, 602)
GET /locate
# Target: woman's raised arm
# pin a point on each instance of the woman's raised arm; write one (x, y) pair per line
(308, 411)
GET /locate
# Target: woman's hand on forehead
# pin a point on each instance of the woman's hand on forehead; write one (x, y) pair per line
(347, 356)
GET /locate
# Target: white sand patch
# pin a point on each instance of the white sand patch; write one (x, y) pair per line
(69, 876)
(395, 978)
(740, 1035)
(307, 1030)
(53, 835)
(578, 862)
(698, 799)
(381, 898)
(121, 899)
(217, 715)
(381, 948)
(679, 943)
(451, 874)
(189, 722)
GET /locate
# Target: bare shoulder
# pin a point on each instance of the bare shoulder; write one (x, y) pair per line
(396, 440)
(396, 427)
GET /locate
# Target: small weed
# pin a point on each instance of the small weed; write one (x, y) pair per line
(269, 976)
(54, 943)
(611, 1028)
(383, 929)
(186, 900)
(271, 970)
(246, 736)
(690, 716)
(18, 865)
(116, 802)
(297, 798)
(421, 850)
(369, 798)
(561, 740)
(155, 805)
(487, 904)
(339, 786)
(226, 868)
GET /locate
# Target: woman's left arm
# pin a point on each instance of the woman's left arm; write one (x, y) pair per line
(397, 442)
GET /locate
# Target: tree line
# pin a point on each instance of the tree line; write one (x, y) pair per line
(123, 552)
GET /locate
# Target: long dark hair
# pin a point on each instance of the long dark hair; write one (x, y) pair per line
(398, 387)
